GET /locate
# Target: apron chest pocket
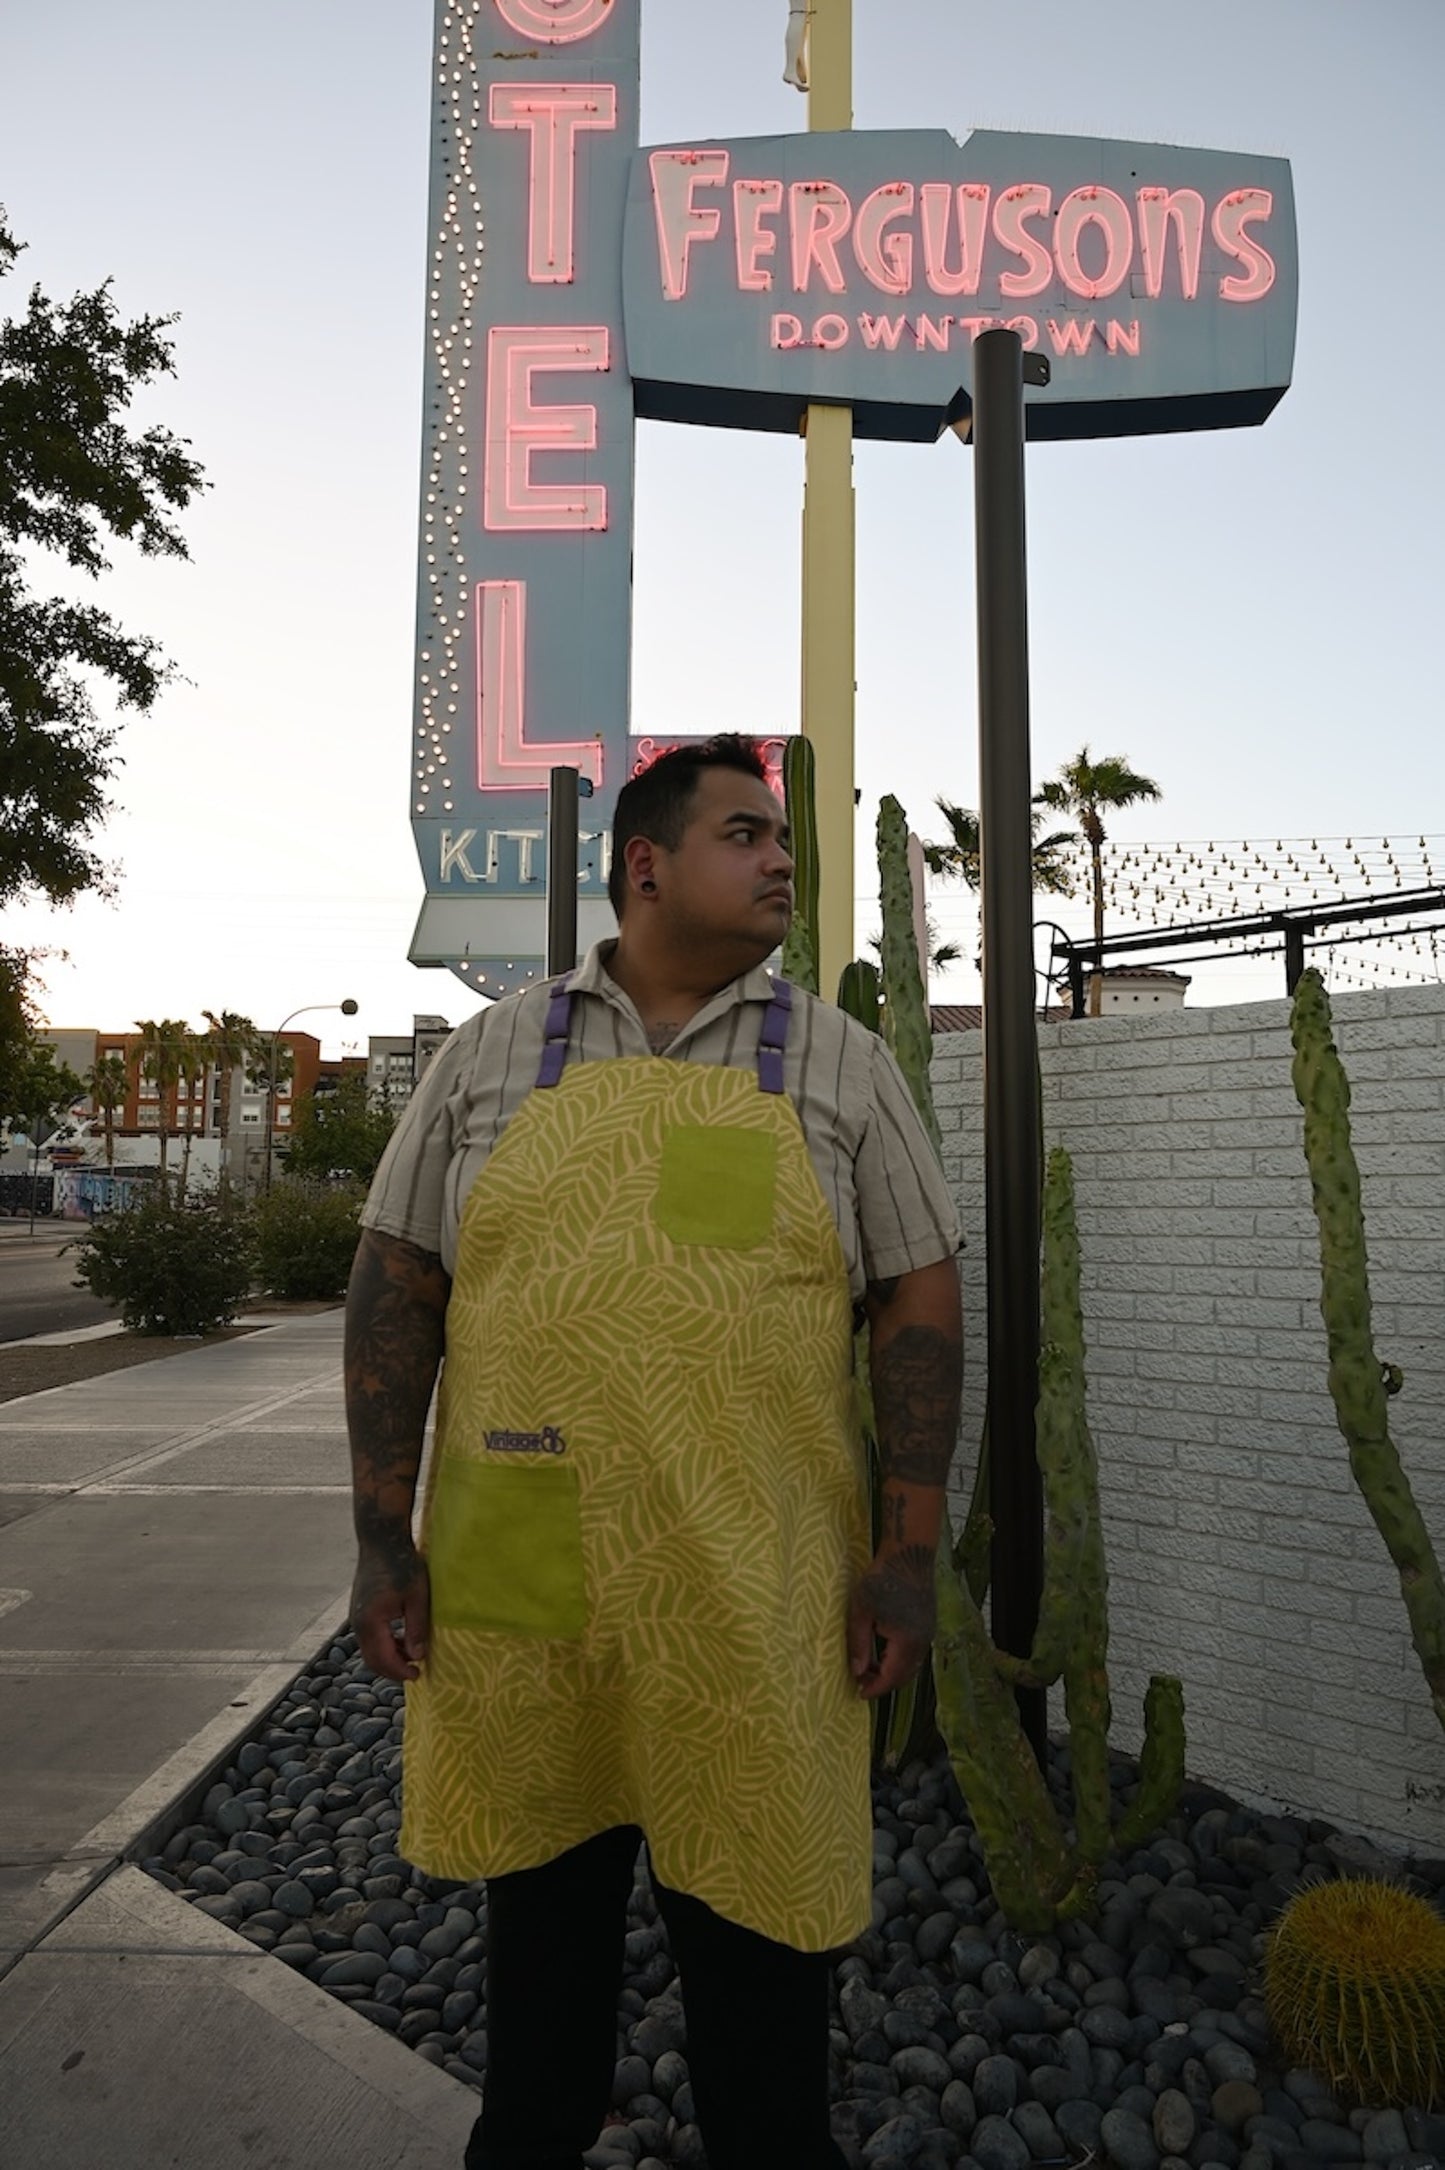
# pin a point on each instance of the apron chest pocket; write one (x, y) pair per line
(715, 1185)
(504, 1550)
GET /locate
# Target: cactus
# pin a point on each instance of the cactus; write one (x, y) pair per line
(1007, 1796)
(859, 994)
(800, 945)
(1360, 1384)
(1038, 1877)
(1354, 1982)
(906, 1023)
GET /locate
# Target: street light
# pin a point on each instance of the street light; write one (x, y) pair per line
(348, 1008)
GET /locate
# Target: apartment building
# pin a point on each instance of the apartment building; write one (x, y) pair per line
(395, 1062)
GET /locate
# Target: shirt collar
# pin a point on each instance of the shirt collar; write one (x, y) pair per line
(593, 978)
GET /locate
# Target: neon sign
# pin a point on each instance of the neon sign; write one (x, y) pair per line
(524, 613)
(764, 275)
(578, 280)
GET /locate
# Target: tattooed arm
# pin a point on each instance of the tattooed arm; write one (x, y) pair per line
(395, 1312)
(916, 1364)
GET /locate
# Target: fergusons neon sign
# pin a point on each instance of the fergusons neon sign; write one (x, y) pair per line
(760, 276)
(577, 281)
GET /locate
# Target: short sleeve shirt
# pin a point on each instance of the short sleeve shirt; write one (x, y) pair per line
(874, 1163)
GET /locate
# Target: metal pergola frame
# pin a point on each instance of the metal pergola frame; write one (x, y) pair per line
(1291, 930)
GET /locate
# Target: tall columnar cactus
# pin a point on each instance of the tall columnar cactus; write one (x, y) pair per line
(1039, 1877)
(907, 1026)
(860, 993)
(1360, 1384)
(800, 946)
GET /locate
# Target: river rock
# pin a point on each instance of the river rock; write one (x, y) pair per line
(995, 2145)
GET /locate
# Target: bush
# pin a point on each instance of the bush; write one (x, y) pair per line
(306, 1235)
(173, 1267)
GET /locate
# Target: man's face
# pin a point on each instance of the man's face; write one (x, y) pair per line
(730, 880)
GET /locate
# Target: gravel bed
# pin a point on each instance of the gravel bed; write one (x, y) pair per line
(1136, 2038)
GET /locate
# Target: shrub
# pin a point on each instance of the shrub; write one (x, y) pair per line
(306, 1236)
(172, 1266)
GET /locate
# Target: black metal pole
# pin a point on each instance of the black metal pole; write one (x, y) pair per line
(562, 795)
(1294, 953)
(1012, 1126)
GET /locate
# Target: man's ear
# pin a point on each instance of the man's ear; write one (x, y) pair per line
(639, 855)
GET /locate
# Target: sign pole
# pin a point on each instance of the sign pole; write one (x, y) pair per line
(829, 557)
(562, 871)
(1012, 1116)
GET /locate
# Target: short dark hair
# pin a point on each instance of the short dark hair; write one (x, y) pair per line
(658, 803)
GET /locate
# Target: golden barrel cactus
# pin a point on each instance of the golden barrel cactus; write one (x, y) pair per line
(1355, 1986)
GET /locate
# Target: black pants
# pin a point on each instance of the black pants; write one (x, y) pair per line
(757, 2021)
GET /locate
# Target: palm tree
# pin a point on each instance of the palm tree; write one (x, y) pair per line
(106, 1082)
(1080, 789)
(233, 1040)
(162, 1047)
(192, 1059)
(269, 1066)
(958, 859)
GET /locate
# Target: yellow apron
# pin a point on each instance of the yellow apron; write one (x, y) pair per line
(647, 1505)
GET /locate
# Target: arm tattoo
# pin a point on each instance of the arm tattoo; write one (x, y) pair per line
(916, 1380)
(395, 1332)
(898, 1591)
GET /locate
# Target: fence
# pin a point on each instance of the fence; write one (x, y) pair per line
(1241, 1554)
(19, 1193)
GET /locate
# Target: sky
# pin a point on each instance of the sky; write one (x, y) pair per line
(1250, 616)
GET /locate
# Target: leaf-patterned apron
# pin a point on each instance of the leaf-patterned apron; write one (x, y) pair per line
(647, 1505)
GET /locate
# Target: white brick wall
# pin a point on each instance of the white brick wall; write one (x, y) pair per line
(1241, 1554)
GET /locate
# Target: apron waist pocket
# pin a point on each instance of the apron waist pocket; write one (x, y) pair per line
(504, 1549)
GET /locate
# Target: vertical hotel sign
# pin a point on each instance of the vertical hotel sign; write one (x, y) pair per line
(524, 614)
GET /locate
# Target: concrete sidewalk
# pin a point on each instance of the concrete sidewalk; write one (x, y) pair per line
(175, 1546)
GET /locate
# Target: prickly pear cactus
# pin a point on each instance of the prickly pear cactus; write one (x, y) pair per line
(1360, 1384)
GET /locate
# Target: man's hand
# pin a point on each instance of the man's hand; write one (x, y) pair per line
(892, 1604)
(391, 1609)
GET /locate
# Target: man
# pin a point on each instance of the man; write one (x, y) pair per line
(639, 1212)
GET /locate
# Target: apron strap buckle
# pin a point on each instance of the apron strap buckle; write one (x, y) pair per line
(773, 1037)
(555, 1033)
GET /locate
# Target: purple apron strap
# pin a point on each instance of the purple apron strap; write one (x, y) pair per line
(554, 1033)
(773, 1038)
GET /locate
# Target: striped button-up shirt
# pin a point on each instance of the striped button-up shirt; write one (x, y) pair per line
(873, 1160)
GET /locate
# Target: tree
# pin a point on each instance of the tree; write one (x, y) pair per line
(42, 1088)
(162, 1053)
(192, 1059)
(1081, 788)
(73, 472)
(234, 1042)
(339, 1133)
(106, 1082)
(959, 858)
(18, 1025)
(271, 1064)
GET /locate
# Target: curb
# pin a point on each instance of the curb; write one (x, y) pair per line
(142, 1823)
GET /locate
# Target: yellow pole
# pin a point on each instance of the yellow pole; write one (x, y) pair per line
(828, 558)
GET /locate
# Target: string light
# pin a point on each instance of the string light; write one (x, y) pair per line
(1161, 884)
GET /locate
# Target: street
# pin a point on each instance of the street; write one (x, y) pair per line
(36, 1296)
